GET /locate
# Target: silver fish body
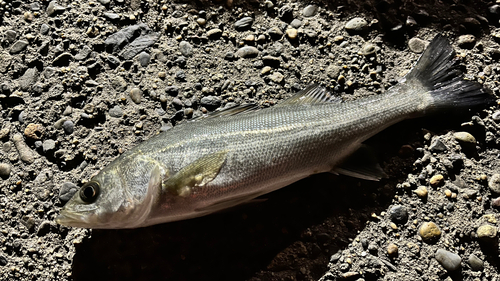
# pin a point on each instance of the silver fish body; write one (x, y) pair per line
(204, 166)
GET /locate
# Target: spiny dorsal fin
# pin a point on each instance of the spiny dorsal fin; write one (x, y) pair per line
(312, 94)
(237, 109)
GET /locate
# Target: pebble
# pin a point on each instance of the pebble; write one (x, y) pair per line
(113, 61)
(67, 191)
(333, 71)
(495, 202)
(62, 60)
(369, 49)
(310, 11)
(271, 60)
(139, 44)
(292, 33)
(429, 232)
(116, 111)
(54, 9)
(437, 146)
(10, 35)
(44, 29)
(83, 53)
(243, 23)
(136, 95)
(398, 214)
(180, 75)
(487, 233)
(496, 116)
(214, 33)
(277, 77)
(48, 145)
(68, 127)
(3, 260)
(465, 139)
(296, 23)
(34, 131)
(18, 47)
(450, 261)
(436, 180)
(25, 153)
(275, 32)
(111, 16)
(356, 24)
(494, 183)
(392, 250)
(265, 70)
(421, 191)
(210, 102)
(5, 170)
(475, 263)
(144, 58)
(417, 45)
(28, 79)
(185, 48)
(44, 228)
(247, 52)
(466, 41)
(201, 21)
(285, 13)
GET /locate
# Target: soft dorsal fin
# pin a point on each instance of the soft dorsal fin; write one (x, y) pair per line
(237, 109)
(312, 94)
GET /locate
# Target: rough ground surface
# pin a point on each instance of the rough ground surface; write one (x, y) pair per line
(71, 101)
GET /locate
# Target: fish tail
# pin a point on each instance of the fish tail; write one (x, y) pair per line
(438, 71)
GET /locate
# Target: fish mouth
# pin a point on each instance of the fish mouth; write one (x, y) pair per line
(68, 218)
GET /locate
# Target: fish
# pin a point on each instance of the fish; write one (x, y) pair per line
(235, 155)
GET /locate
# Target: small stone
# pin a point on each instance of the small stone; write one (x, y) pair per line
(417, 45)
(275, 32)
(10, 35)
(398, 214)
(3, 260)
(201, 21)
(44, 228)
(54, 9)
(475, 263)
(18, 47)
(437, 146)
(392, 250)
(277, 77)
(214, 33)
(83, 53)
(292, 33)
(285, 13)
(466, 41)
(494, 183)
(296, 23)
(25, 153)
(243, 23)
(116, 111)
(495, 202)
(185, 48)
(265, 70)
(356, 24)
(496, 116)
(34, 131)
(144, 58)
(310, 11)
(333, 71)
(429, 232)
(68, 127)
(5, 170)
(369, 49)
(136, 95)
(210, 102)
(421, 191)
(449, 260)
(466, 140)
(111, 16)
(247, 52)
(172, 90)
(44, 29)
(487, 233)
(67, 191)
(436, 180)
(62, 60)
(180, 75)
(48, 145)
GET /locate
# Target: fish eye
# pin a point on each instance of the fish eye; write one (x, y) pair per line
(89, 191)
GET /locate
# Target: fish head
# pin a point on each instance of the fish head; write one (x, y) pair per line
(104, 202)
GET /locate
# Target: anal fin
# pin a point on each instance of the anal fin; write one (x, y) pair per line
(361, 164)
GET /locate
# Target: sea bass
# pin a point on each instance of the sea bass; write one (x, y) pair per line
(233, 156)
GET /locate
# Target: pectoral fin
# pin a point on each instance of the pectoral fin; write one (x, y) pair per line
(199, 173)
(361, 164)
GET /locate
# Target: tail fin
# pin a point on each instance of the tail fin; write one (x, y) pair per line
(437, 70)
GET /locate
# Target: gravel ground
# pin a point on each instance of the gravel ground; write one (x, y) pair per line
(81, 83)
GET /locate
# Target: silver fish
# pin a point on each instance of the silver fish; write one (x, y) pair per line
(236, 155)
